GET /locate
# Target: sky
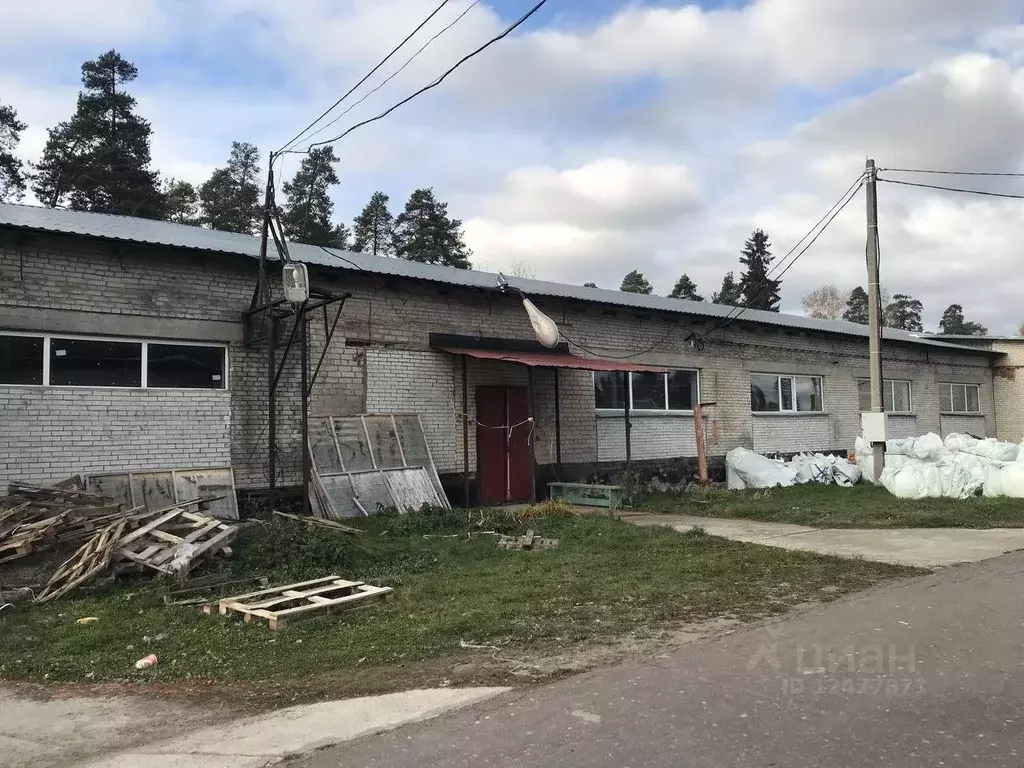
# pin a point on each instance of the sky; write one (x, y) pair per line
(603, 136)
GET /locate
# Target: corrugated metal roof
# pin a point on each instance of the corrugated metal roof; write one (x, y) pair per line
(134, 230)
(553, 360)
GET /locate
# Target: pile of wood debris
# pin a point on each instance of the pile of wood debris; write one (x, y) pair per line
(37, 517)
(172, 541)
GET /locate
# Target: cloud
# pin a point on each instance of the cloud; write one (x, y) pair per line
(653, 137)
(606, 193)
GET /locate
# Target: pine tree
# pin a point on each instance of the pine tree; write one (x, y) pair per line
(729, 293)
(953, 322)
(308, 210)
(904, 313)
(182, 202)
(12, 170)
(757, 289)
(635, 282)
(857, 307)
(685, 288)
(372, 228)
(425, 233)
(231, 196)
(99, 159)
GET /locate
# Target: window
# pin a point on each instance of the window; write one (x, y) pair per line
(771, 393)
(66, 361)
(960, 398)
(672, 391)
(87, 363)
(185, 365)
(21, 360)
(895, 395)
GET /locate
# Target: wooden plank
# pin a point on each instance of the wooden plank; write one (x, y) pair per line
(275, 590)
(318, 522)
(180, 543)
(140, 532)
(369, 592)
(291, 595)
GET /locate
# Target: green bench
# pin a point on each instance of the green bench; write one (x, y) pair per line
(587, 495)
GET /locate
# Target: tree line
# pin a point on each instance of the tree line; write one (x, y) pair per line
(754, 289)
(898, 311)
(99, 160)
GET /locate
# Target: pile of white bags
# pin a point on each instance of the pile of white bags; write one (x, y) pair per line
(958, 467)
(746, 469)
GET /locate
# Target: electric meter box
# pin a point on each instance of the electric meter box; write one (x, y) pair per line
(873, 426)
(296, 282)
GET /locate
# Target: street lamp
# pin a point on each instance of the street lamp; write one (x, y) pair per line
(543, 326)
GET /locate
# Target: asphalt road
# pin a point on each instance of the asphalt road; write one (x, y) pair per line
(923, 672)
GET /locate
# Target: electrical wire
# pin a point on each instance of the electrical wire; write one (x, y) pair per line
(440, 79)
(394, 74)
(953, 189)
(366, 77)
(828, 219)
(950, 173)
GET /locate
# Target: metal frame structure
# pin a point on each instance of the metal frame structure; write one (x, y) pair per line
(264, 319)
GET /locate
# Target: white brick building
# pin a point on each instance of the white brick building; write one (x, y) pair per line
(122, 347)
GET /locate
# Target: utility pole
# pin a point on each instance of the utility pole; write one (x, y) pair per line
(874, 313)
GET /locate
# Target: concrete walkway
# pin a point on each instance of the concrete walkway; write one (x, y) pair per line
(921, 547)
(132, 731)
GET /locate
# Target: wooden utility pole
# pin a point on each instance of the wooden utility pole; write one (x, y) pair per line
(698, 431)
(874, 310)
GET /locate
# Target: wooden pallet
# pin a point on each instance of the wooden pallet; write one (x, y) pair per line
(88, 562)
(305, 599)
(173, 541)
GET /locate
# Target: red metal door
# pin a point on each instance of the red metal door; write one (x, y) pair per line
(490, 444)
(503, 455)
(518, 445)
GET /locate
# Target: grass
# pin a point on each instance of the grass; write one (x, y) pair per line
(607, 579)
(829, 506)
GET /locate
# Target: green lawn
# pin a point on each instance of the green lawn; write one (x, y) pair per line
(607, 579)
(829, 506)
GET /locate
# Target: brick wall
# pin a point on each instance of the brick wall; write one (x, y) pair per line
(380, 360)
(652, 436)
(49, 434)
(969, 425)
(1008, 391)
(792, 433)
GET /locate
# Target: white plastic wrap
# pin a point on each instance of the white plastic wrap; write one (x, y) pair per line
(1005, 480)
(957, 467)
(822, 468)
(746, 469)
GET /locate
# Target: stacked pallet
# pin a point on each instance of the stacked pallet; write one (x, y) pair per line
(172, 542)
(33, 517)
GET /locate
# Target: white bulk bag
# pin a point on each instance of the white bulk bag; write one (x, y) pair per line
(746, 469)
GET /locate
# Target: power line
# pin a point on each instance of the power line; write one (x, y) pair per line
(953, 189)
(366, 77)
(850, 189)
(522, 19)
(950, 173)
(394, 74)
(827, 219)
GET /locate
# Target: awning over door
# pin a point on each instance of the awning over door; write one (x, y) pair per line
(553, 360)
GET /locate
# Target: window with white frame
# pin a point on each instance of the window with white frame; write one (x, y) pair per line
(896, 395)
(89, 361)
(959, 398)
(774, 393)
(671, 391)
